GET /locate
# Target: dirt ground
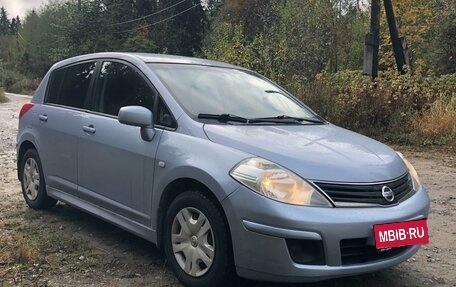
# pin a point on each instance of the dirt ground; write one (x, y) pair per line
(65, 247)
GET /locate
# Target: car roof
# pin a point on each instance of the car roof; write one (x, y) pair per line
(146, 58)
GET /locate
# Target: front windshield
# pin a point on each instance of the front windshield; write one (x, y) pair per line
(217, 90)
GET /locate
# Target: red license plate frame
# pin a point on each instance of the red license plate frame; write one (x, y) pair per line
(397, 234)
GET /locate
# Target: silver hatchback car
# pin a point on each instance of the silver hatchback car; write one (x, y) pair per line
(220, 167)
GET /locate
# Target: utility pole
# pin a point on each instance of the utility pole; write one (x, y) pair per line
(399, 55)
(372, 42)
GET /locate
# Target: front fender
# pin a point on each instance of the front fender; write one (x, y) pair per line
(181, 156)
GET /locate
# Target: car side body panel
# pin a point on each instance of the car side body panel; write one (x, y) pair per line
(56, 143)
(116, 167)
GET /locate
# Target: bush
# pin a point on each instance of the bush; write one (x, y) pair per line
(399, 108)
(25, 86)
(3, 98)
(11, 77)
(438, 125)
(15, 82)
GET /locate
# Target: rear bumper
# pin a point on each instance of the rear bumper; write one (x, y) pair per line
(261, 228)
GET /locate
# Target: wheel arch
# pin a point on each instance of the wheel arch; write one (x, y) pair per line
(172, 190)
(23, 148)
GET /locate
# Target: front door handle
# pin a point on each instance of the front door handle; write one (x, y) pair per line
(90, 129)
(43, 118)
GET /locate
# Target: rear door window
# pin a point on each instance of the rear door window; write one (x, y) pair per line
(120, 85)
(70, 86)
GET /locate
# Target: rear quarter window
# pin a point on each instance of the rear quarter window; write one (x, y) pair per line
(69, 86)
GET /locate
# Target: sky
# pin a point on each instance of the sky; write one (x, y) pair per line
(363, 4)
(20, 7)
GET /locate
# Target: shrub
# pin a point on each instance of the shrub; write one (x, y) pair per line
(25, 86)
(399, 108)
(438, 124)
(15, 82)
(10, 77)
(3, 98)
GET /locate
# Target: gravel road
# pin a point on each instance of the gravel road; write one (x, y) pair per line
(65, 247)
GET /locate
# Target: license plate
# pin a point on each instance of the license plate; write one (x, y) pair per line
(398, 234)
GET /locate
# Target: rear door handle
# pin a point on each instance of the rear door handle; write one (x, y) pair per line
(89, 129)
(43, 118)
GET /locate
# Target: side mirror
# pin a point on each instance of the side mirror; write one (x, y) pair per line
(139, 117)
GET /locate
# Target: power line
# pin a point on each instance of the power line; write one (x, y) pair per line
(149, 15)
(27, 42)
(133, 20)
(35, 45)
(158, 22)
(144, 17)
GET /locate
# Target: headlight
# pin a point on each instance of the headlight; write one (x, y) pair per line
(277, 183)
(412, 171)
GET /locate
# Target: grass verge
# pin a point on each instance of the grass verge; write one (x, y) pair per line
(31, 250)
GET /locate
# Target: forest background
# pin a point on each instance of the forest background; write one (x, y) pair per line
(313, 48)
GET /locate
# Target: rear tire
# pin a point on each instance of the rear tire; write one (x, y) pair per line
(196, 241)
(32, 182)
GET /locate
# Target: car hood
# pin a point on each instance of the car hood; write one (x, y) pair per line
(315, 152)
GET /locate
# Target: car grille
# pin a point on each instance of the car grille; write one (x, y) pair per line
(367, 193)
(356, 251)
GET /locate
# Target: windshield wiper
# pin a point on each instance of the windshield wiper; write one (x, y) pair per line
(282, 119)
(274, 92)
(286, 119)
(224, 118)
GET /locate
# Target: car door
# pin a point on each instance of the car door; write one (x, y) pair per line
(59, 121)
(116, 165)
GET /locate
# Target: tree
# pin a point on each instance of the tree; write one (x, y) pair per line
(416, 21)
(4, 22)
(180, 30)
(18, 23)
(443, 58)
(141, 41)
(446, 47)
(295, 44)
(348, 29)
(255, 15)
(13, 27)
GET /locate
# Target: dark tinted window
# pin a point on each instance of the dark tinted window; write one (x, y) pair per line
(164, 117)
(120, 85)
(69, 86)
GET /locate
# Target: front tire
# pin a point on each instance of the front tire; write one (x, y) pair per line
(32, 182)
(196, 241)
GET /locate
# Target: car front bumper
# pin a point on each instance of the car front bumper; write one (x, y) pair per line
(261, 230)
